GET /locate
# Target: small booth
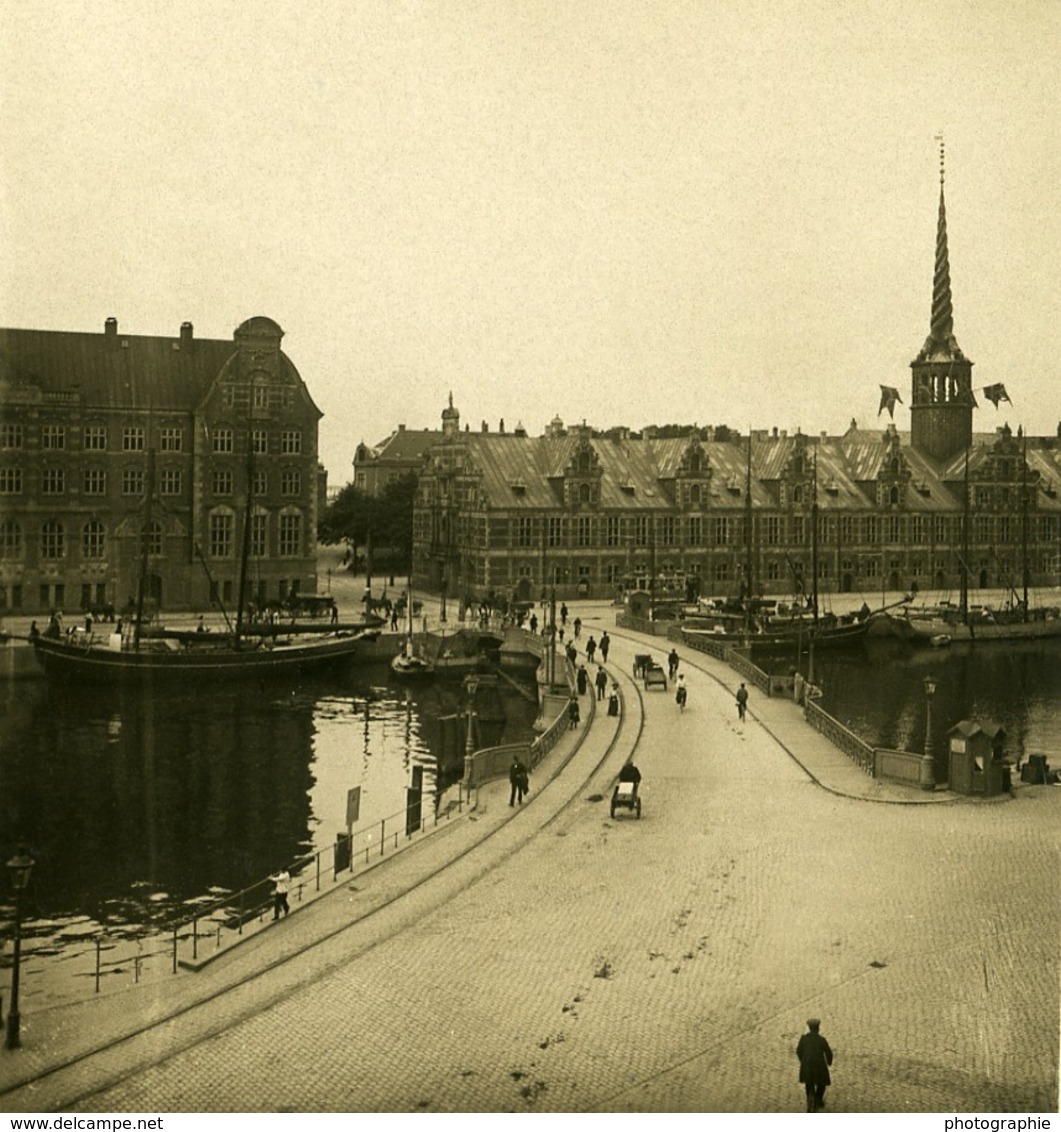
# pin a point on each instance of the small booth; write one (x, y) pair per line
(977, 762)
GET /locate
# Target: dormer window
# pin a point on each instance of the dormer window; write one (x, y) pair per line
(797, 494)
(584, 493)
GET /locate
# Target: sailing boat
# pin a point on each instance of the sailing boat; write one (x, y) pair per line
(163, 657)
(409, 662)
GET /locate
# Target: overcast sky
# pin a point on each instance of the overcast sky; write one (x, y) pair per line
(720, 211)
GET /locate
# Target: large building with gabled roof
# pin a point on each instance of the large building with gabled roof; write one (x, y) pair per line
(940, 507)
(129, 460)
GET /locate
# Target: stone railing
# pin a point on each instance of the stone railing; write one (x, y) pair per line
(860, 752)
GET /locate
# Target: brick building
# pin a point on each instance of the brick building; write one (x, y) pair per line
(125, 457)
(941, 506)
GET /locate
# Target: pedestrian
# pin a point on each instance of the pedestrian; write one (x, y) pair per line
(682, 694)
(573, 716)
(578, 626)
(815, 1057)
(672, 664)
(517, 778)
(742, 702)
(601, 682)
(534, 623)
(571, 651)
(613, 700)
(605, 644)
(581, 678)
(591, 648)
(281, 887)
(563, 613)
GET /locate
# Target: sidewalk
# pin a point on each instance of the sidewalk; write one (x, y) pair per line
(405, 887)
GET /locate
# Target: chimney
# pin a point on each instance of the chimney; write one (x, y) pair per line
(520, 430)
(501, 426)
(186, 333)
(401, 428)
(484, 427)
(110, 328)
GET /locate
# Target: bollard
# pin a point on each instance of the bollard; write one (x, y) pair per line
(97, 964)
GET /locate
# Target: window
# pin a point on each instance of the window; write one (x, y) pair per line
(892, 529)
(291, 482)
(939, 528)
(53, 481)
(872, 529)
(847, 528)
(983, 528)
(172, 440)
(222, 482)
(798, 531)
(668, 532)
(10, 481)
(721, 571)
(261, 483)
(871, 568)
(917, 528)
(171, 481)
(260, 442)
(773, 570)
(93, 540)
(95, 438)
(291, 442)
(611, 537)
(132, 481)
(258, 533)
(221, 535)
(893, 496)
(151, 539)
(773, 530)
(10, 540)
(11, 436)
(694, 530)
(556, 531)
(133, 439)
(53, 436)
(524, 531)
(1005, 529)
(641, 531)
(797, 493)
(94, 481)
(584, 531)
(260, 396)
(695, 493)
(221, 440)
(290, 535)
(583, 493)
(52, 547)
(721, 531)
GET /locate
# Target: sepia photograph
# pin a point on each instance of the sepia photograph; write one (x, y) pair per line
(530, 562)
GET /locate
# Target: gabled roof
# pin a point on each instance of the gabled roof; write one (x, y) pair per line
(406, 444)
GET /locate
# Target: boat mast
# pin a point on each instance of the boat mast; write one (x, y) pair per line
(245, 550)
(814, 540)
(1024, 518)
(963, 603)
(145, 546)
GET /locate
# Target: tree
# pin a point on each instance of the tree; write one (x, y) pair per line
(353, 515)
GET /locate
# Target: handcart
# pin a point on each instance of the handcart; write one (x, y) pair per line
(626, 797)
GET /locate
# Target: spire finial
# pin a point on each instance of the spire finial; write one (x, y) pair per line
(942, 161)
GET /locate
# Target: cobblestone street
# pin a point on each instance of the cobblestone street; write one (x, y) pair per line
(669, 964)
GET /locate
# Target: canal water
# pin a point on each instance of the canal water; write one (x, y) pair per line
(138, 808)
(877, 689)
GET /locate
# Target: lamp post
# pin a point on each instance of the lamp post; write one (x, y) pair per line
(928, 769)
(20, 866)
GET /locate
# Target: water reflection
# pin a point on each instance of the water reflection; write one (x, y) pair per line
(878, 691)
(136, 805)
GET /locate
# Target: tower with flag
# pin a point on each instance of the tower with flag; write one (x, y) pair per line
(942, 401)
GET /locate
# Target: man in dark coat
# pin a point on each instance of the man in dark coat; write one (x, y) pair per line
(518, 780)
(815, 1057)
(601, 682)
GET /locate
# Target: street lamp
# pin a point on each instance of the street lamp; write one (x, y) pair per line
(20, 866)
(928, 769)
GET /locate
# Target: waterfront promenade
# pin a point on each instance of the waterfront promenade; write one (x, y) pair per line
(551, 958)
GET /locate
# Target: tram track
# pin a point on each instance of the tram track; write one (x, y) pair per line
(122, 1057)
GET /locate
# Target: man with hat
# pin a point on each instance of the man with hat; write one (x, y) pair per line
(815, 1057)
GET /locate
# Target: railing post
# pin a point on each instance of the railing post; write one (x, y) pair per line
(240, 921)
(318, 860)
(97, 964)
(195, 939)
(382, 835)
(174, 948)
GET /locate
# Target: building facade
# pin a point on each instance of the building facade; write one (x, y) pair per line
(400, 454)
(877, 512)
(158, 462)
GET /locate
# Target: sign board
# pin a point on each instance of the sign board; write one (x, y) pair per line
(353, 805)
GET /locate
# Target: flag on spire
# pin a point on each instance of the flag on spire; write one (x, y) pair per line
(996, 393)
(889, 395)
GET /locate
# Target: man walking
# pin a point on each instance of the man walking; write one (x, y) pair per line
(742, 702)
(518, 780)
(605, 644)
(281, 887)
(601, 681)
(815, 1057)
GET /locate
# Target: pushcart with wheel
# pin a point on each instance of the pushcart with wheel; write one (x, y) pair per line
(626, 797)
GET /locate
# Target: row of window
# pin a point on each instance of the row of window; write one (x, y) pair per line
(54, 543)
(94, 439)
(773, 530)
(170, 481)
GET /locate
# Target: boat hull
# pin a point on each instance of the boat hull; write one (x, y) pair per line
(925, 631)
(73, 661)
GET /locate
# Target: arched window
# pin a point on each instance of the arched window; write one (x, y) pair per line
(797, 494)
(10, 540)
(695, 460)
(694, 494)
(583, 493)
(584, 462)
(52, 540)
(895, 465)
(93, 540)
(893, 495)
